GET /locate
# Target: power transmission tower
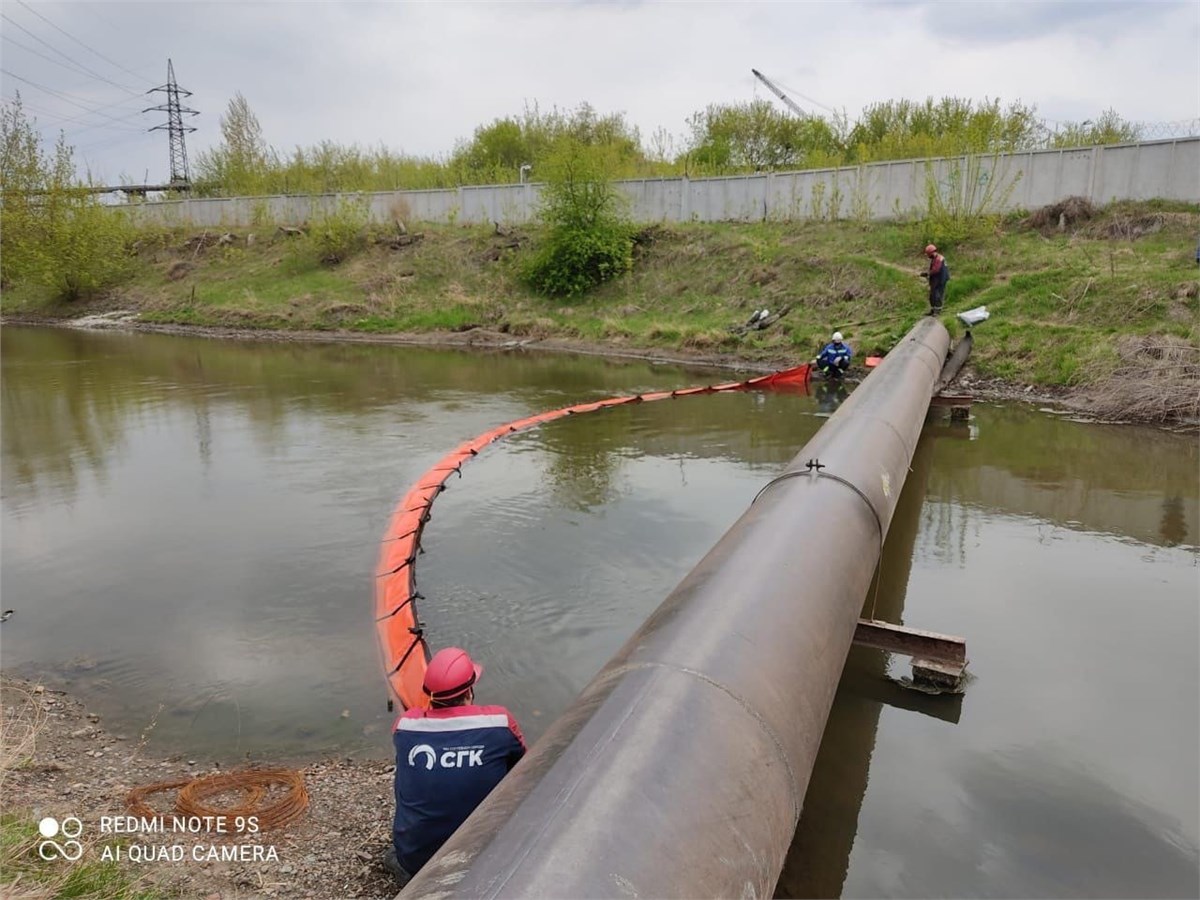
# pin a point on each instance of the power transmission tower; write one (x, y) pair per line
(175, 128)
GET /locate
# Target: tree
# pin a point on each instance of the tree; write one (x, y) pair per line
(588, 239)
(240, 164)
(1108, 128)
(759, 137)
(53, 233)
(497, 151)
(952, 126)
(22, 176)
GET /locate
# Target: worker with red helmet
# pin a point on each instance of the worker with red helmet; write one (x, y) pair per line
(448, 758)
(938, 275)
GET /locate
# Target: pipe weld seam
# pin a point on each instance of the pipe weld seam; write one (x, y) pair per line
(797, 798)
(797, 473)
(887, 423)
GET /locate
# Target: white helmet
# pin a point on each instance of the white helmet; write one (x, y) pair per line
(837, 336)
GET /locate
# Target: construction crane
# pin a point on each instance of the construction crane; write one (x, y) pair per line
(791, 104)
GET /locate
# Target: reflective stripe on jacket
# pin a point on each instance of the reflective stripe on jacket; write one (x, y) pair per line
(447, 761)
(831, 353)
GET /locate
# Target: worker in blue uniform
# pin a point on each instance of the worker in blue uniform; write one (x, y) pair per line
(834, 358)
(448, 758)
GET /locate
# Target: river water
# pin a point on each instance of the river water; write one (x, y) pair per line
(190, 527)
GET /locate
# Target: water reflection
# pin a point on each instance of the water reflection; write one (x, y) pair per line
(1027, 825)
(820, 854)
(829, 395)
(1174, 528)
(1133, 482)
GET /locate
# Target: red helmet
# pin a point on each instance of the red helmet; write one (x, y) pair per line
(930, 250)
(451, 673)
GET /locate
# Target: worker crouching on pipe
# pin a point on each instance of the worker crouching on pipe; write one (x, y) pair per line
(448, 758)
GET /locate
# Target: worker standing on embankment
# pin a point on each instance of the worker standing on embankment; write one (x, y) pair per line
(938, 275)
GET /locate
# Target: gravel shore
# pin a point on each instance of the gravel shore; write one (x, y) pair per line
(60, 761)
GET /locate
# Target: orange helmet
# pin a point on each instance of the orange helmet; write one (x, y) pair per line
(451, 673)
(930, 250)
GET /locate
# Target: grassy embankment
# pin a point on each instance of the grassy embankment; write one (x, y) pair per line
(26, 875)
(1069, 307)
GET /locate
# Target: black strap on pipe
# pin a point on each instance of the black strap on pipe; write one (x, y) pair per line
(815, 469)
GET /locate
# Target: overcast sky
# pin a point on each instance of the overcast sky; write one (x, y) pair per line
(419, 76)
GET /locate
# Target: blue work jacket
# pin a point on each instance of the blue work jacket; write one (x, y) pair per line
(447, 761)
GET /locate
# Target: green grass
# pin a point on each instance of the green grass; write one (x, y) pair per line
(88, 879)
(1060, 305)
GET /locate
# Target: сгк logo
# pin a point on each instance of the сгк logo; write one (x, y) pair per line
(426, 750)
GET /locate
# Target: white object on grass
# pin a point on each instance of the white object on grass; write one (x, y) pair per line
(974, 316)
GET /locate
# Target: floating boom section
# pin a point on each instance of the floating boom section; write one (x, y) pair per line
(401, 636)
(681, 768)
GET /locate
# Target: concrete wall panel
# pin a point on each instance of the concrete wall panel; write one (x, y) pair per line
(1154, 169)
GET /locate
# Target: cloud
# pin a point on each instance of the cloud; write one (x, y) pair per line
(1008, 22)
(419, 76)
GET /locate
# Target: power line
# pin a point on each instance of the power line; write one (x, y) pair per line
(131, 129)
(59, 119)
(111, 141)
(56, 122)
(68, 67)
(76, 40)
(77, 66)
(66, 98)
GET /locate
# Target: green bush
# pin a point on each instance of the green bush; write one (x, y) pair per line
(965, 204)
(574, 260)
(84, 249)
(54, 234)
(338, 235)
(588, 239)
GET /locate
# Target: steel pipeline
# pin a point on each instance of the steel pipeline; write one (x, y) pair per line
(681, 768)
(954, 363)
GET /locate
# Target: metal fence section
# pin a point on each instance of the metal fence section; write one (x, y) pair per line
(1167, 170)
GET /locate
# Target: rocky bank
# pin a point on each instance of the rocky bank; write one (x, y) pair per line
(60, 760)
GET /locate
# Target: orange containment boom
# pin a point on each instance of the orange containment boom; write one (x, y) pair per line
(402, 643)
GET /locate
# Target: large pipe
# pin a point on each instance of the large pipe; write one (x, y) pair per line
(954, 363)
(680, 770)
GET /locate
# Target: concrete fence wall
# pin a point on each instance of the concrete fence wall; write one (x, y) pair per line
(1167, 170)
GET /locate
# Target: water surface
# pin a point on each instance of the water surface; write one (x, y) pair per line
(190, 527)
